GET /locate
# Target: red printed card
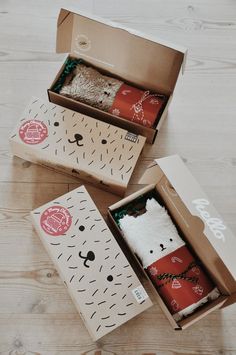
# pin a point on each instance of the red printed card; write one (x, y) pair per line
(137, 105)
(179, 279)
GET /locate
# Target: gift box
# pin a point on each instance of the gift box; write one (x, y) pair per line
(100, 279)
(141, 61)
(76, 144)
(198, 223)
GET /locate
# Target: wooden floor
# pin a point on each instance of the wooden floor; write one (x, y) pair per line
(36, 313)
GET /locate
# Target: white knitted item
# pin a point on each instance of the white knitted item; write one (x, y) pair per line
(92, 88)
(149, 231)
(154, 230)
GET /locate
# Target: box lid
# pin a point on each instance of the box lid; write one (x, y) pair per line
(89, 149)
(137, 57)
(99, 278)
(184, 184)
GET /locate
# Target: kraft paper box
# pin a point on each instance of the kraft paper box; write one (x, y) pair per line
(76, 144)
(141, 60)
(200, 225)
(99, 278)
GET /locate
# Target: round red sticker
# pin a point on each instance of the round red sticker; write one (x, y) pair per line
(55, 220)
(33, 132)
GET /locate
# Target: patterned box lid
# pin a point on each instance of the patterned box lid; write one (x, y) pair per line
(99, 278)
(79, 145)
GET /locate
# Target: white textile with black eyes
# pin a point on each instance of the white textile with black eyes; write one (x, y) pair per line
(151, 235)
(92, 88)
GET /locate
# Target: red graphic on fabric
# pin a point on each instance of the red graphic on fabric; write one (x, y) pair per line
(196, 270)
(174, 305)
(55, 220)
(33, 132)
(153, 271)
(180, 284)
(137, 105)
(176, 284)
(198, 289)
(174, 259)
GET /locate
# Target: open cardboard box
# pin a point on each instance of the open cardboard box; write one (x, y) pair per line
(98, 275)
(200, 225)
(140, 60)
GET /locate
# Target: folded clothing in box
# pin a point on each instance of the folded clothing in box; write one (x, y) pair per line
(188, 240)
(147, 65)
(82, 146)
(87, 85)
(175, 272)
(100, 279)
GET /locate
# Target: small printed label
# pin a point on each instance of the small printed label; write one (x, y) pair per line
(83, 43)
(140, 294)
(131, 137)
(33, 132)
(56, 220)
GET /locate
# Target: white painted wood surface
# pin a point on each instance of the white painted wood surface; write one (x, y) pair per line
(36, 313)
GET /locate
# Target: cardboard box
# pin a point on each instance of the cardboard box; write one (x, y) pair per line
(200, 224)
(76, 144)
(141, 60)
(101, 282)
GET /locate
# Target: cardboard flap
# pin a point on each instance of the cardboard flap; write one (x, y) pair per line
(152, 174)
(64, 31)
(198, 204)
(141, 59)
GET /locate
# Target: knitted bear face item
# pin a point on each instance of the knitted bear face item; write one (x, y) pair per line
(87, 85)
(173, 269)
(92, 88)
(157, 235)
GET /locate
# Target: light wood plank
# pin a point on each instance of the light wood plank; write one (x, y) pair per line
(36, 313)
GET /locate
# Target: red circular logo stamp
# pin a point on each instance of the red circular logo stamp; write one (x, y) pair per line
(33, 132)
(55, 220)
